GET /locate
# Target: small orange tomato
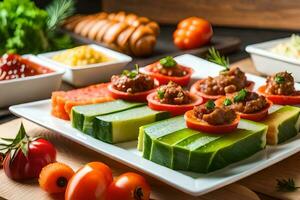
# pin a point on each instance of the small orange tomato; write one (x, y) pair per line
(129, 186)
(90, 182)
(192, 32)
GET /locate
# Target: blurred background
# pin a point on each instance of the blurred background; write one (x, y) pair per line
(251, 21)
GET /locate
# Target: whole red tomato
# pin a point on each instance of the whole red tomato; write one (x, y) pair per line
(26, 157)
(129, 186)
(90, 182)
(192, 32)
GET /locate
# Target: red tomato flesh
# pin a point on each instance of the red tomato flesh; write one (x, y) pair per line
(281, 99)
(257, 116)
(137, 97)
(175, 110)
(193, 122)
(163, 79)
(194, 90)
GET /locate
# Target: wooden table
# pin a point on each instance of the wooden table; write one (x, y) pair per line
(261, 185)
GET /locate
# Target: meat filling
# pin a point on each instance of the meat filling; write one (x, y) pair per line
(216, 115)
(173, 93)
(227, 82)
(281, 83)
(250, 104)
(168, 71)
(132, 84)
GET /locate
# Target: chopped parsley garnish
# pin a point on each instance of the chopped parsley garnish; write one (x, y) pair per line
(279, 79)
(227, 102)
(160, 94)
(215, 57)
(168, 62)
(210, 104)
(131, 74)
(241, 95)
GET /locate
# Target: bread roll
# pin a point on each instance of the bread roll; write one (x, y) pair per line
(124, 32)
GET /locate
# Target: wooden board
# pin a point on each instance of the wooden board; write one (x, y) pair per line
(237, 13)
(77, 155)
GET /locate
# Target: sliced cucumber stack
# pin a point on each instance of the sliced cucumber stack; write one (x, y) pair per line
(172, 144)
(83, 116)
(124, 126)
(283, 124)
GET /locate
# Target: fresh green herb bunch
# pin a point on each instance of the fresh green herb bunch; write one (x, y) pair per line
(168, 62)
(160, 94)
(279, 79)
(24, 28)
(215, 57)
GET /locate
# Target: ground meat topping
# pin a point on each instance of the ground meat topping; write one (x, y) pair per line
(173, 93)
(281, 83)
(214, 115)
(247, 102)
(132, 82)
(168, 67)
(228, 81)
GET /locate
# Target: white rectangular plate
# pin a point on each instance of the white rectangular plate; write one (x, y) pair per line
(191, 183)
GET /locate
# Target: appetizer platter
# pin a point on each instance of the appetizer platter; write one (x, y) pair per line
(221, 130)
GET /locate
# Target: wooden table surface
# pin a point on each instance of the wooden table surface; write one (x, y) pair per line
(261, 185)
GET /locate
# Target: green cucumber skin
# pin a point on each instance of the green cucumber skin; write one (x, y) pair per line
(238, 151)
(287, 129)
(147, 147)
(103, 130)
(85, 123)
(77, 120)
(161, 154)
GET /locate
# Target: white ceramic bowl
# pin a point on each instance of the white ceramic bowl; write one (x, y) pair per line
(30, 88)
(93, 73)
(270, 63)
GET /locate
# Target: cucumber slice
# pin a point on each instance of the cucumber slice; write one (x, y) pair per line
(83, 116)
(156, 130)
(124, 126)
(283, 124)
(171, 144)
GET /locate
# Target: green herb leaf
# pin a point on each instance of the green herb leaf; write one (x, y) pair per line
(279, 79)
(160, 94)
(168, 62)
(58, 11)
(210, 104)
(215, 57)
(286, 185)
(227, 102)
(133, 73)
(241, 95)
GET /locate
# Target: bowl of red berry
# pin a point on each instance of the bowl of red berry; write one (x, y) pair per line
(26, 78)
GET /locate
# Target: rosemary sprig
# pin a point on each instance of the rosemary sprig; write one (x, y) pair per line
(286, 185)
(215, 57)
(58, 11)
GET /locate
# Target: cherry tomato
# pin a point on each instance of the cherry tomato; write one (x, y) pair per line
(137, 97)
(281, 99)
(257, 116)
(129, 186)
(192, 32)
(193, 122)
(163, 79)
(90, 182)
(195, 90)
(26, 157)
(175, 110)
